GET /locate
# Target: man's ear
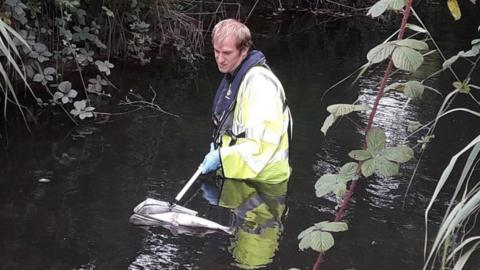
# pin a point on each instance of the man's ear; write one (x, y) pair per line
(244, 52)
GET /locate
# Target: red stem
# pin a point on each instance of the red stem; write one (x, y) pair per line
(346, 199)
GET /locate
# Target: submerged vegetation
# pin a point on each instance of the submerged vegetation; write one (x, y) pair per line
(454, 243)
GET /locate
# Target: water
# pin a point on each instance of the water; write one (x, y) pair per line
(99, 171)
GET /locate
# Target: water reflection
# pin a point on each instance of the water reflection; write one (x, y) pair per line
(258, 209)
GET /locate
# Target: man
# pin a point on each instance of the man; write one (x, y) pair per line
(250, 115)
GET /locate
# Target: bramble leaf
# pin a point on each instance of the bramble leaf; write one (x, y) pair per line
(385, 167)
(344, 109)
(413, 89)
(327, 124)
(399, 154)
(375, 140)
(406, 58)
(415, 44)
(368, 167)
(327, 226)
(360, 155)
(380, 52)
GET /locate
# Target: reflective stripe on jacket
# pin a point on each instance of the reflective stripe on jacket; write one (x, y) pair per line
(256, 145)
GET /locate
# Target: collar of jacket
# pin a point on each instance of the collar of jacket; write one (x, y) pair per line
(226, 95)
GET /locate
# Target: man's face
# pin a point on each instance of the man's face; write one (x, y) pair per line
(227, 55)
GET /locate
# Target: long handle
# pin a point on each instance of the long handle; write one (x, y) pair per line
(189, 183)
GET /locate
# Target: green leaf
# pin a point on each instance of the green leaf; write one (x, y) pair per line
(406, 58)
(316, 240)
(325, 184)
(65, 86)
(328, 123)
(38, 77)
(413, 125)
(368, 167)
(328, 226)
(340, 189)
(49, 71)
(413, 89)
(385, 167)
(344, 109)
(375, 140)
(306, 232)
(378, 8)
(395, 86)
(380, 52)
(348, 172)
(396, 4)
(360, 155)
(415, 44)
(399, 154)
(416, 28)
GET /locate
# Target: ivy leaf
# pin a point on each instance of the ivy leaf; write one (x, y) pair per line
(327, 226)
(413, 89)
(378, 8)
(368, 167)
(385, 167)
(343, 109)
(406, 58)
(380, 52)
(360, 155)
(327, 124)
(375, 140)
(399, 154)
(454, 9)
(415, 44)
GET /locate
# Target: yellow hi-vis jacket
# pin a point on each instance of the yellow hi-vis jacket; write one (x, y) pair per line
(256, 147)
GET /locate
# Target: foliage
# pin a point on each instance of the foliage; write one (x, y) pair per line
(41, 50)
(375, 158)
(319, 237)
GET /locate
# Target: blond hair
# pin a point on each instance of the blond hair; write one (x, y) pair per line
(228, 27)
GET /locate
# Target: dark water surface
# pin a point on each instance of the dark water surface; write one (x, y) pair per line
(100, 171)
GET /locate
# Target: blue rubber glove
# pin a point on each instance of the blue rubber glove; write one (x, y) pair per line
(211, 162)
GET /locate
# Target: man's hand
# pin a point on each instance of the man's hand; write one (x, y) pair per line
(211, 162)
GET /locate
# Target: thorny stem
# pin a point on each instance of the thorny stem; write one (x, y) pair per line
(388, 70)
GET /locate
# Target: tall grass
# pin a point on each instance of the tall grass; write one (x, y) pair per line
(10, 63)
(453, 242)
